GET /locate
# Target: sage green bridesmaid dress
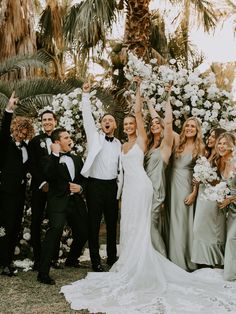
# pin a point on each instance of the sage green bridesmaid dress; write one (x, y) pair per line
(181, 215)
(209, 232)
(155, 168)
(230, 247)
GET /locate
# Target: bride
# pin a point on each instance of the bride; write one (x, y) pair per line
(142, 280)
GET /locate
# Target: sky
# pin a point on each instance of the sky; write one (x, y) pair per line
(218, 46)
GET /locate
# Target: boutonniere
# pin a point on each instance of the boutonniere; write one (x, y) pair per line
(42, 144)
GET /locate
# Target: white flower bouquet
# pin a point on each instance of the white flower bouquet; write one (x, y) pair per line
(193, 94)
(216, 193)
(204, 172)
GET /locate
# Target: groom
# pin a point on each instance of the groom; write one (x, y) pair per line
(101, 169)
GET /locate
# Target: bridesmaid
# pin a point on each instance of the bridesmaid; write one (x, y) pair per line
(183, 194)
(226, 166)
(209, 221)
(156, 160)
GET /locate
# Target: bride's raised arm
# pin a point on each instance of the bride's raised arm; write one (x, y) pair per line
(142, 138)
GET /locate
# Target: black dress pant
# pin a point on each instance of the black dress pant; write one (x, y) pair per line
(78, 222)
(38, 204)
(101, 199)
(11, 212)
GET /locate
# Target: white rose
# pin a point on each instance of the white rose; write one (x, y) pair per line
(26, 236)
(43, 144)
(17, 250)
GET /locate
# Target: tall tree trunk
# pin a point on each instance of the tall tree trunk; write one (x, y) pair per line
(138, 28)
(185, 30)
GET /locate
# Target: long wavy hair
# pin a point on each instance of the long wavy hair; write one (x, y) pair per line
(198, 142)
(231, 140)
(151, 135)
(218, 132)
(19, 123)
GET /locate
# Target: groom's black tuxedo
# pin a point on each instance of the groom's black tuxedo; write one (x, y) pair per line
(12, 190)
(62, 207)
(37, 152)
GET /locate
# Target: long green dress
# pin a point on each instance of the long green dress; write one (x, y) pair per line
(155, 168)
(209, 232)
(230, 247)
(181, 215)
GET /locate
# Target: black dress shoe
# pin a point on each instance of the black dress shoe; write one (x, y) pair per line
(110, 262)
(9, 271)
(44, 278)
(75, 264)
(98, 268)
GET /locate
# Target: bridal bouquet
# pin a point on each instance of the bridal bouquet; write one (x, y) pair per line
(204, 172)
(137, 67)
(216, 193)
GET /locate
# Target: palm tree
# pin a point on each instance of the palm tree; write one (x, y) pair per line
(202, 12)
(17, 35)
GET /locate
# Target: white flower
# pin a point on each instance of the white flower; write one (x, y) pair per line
(203, 172)
(26, 236)
(216, 193)
(17, 250)
(26, 264)
(172, 61)
(43, 144)
(2, 232)
(69, 241)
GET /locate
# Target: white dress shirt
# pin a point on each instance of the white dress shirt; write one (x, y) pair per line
(105, 165)
(23, 151)
(70, 165)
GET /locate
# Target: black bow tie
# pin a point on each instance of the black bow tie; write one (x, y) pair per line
(65, 154)
(109, 139)
(47, 136)
(22, 144)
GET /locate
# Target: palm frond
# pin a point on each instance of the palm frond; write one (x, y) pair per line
(207, 14)
(70, 27)
(90, 21)
(34, 94)
(21, 62)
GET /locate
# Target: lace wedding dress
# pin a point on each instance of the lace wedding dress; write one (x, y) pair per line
(142, 280)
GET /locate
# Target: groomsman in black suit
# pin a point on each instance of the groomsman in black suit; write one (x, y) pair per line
(65, 203)
(39, 147)
(13, 170)
(101, 168)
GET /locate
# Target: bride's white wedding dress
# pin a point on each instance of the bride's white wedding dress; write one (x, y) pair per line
(142, 280)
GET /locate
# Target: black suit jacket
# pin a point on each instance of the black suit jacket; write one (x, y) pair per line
(13, 170)
(37, 152)
(58, 176)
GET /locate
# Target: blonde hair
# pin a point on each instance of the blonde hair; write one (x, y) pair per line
(231, 141)
(230, 138)
(198, 142)
(19, 123)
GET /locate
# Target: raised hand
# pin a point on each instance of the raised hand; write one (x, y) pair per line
(12, 103)
(137, 80)
(86, 87)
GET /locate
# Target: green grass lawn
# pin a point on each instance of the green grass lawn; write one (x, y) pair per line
(23, 294)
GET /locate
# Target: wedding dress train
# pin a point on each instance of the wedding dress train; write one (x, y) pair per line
(142, 280)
